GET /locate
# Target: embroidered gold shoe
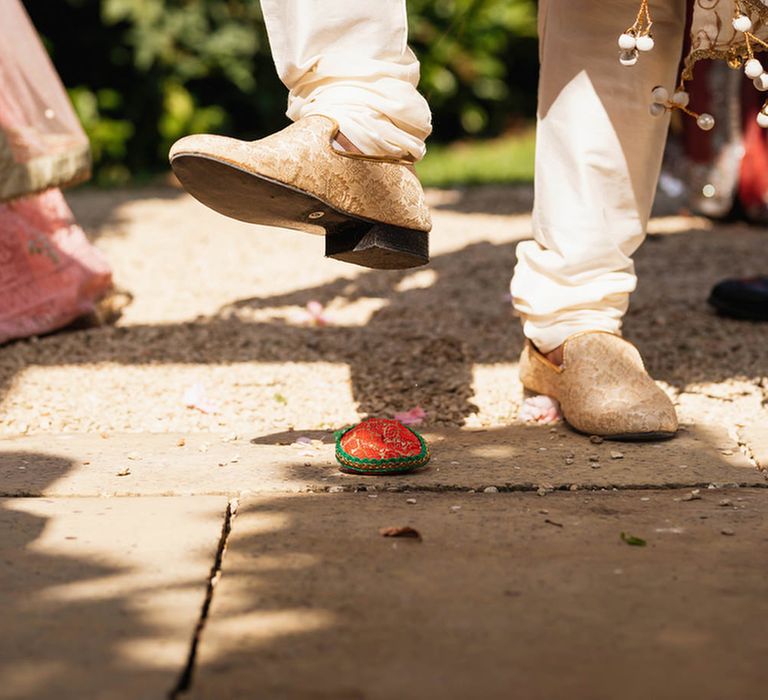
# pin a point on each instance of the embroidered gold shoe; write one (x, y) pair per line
(371, 210)
(603, 388)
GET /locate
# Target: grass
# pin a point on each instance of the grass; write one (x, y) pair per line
(508, 159)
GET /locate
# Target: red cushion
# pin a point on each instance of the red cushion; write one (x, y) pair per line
(380, 438)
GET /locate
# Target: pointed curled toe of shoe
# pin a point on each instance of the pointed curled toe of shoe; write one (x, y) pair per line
(371, 210)
(603, 388)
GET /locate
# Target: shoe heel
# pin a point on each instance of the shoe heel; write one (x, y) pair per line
(378, 246)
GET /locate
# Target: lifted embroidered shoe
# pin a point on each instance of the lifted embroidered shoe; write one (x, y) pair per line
(371, 210)
(603, 388)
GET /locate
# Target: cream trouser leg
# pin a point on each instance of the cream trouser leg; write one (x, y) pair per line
(349, 60)
(597, 163)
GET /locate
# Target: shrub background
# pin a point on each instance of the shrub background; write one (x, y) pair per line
(142, 73)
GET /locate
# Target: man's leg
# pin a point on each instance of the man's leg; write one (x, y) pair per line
(351, 61)
(352, 82)
(597, 163)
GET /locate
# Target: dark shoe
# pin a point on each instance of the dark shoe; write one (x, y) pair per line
(742, 298)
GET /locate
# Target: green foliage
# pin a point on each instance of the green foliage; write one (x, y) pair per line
(468, 50)
(505, 159)
(142, 73)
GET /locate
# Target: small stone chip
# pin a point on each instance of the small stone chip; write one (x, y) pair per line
(725, 502)
(490, 489)
(615, 454)
(569, 460)
(335, 489)
(595, 439)
(727, 531)
(455, 508)
(181, 442)
(692, 496)
(411, 501)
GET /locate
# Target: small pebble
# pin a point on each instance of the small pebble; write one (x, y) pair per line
(726, 452)
(692, 496)
(541, 491)
(569, 460)
(411, 501)
(373, 495)
(615, 454)
(573, 487)
(725, 502)
(543, 511)
(595, 439)
(594, 458)
(727, 531)
(490, 489)
(455, 508)
(595, 465)
(335, 489)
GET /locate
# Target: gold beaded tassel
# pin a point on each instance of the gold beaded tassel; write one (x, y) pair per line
(753, 68)
(663, 102)
(637, 38)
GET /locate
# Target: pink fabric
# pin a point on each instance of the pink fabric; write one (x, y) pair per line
(49, 273)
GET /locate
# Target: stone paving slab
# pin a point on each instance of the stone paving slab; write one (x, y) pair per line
(100, 597)
(515, 458)
(506, 596)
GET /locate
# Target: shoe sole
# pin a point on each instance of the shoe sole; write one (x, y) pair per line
(255, 199)
(657, 436)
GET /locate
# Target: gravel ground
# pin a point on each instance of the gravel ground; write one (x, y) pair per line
(220, 320)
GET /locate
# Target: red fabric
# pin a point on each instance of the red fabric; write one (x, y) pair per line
(49, 273)
(753, 179)
(380, 438)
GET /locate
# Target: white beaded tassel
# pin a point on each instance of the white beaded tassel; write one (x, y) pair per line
(636, 38)
(762, 117)
(753, 67)
(662, 103)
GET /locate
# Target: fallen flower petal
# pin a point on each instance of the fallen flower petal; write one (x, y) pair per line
(413, 417)
(195, 397)
(540, 409)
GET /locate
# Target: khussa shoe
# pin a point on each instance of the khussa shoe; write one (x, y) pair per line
(371, 210)
(603, 388)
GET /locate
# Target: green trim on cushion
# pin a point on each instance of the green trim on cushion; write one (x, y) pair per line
(393, 465)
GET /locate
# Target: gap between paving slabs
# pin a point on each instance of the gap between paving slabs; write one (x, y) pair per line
(185, 678)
